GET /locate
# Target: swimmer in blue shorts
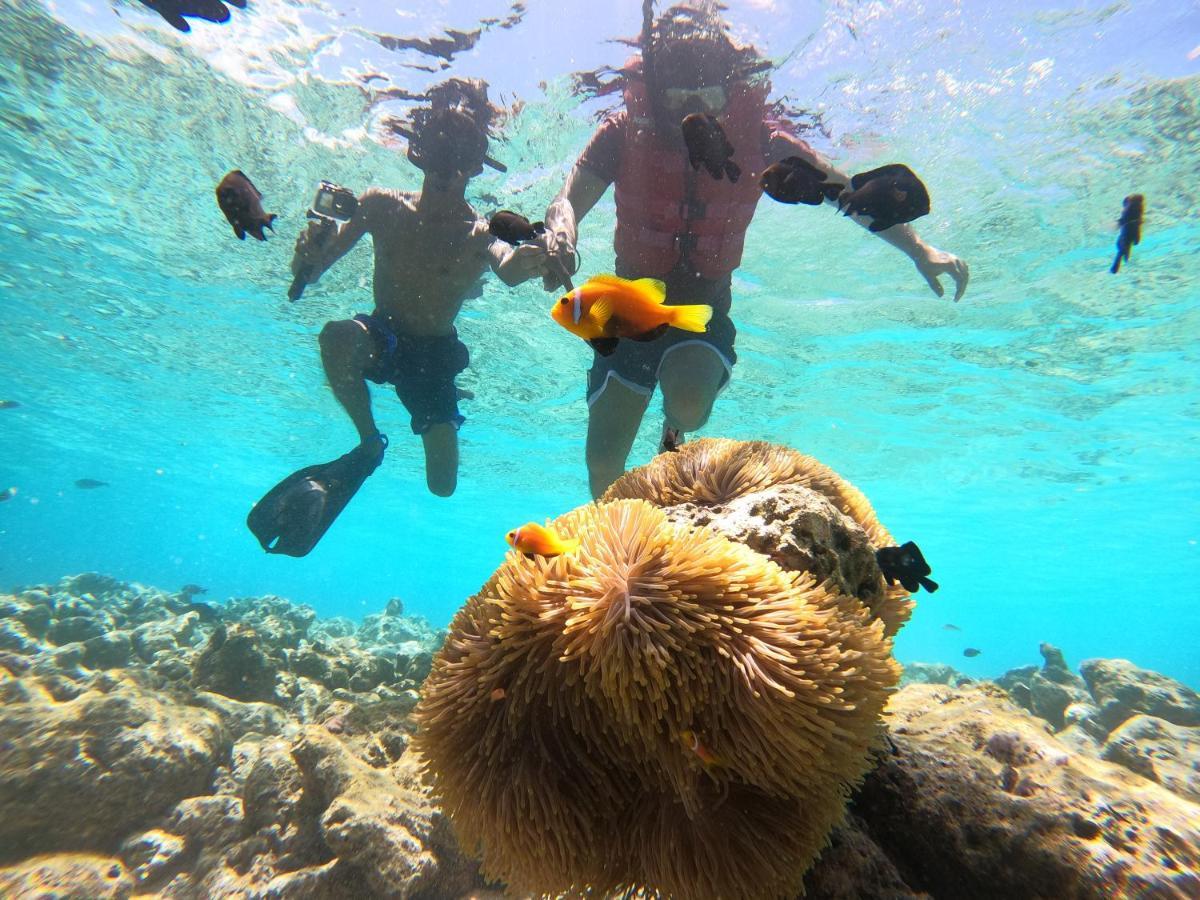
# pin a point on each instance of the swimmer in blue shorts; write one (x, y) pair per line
(431, 249)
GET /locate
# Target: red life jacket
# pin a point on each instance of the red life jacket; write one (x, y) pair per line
(657, 226)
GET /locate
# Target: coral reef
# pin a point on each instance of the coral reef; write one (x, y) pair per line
(157, 745)
(664, 709)
(1139, 719)
(123, 773)
(976, 798)
(797, 512)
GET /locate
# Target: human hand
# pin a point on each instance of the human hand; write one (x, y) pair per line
(562, 262)
(933, 263)
(523, 262)
(309, 246)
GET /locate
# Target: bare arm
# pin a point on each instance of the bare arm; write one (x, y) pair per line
(317, 251)
(583, 190)
(554, 252)
(930, 261)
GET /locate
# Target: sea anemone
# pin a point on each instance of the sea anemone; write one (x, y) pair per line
(663, 709)
(714, 472)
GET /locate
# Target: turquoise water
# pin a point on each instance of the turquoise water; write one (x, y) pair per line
(1038, 439)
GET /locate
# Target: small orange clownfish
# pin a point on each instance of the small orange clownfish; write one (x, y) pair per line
(692, 742)
(606, 308)
(533, 539)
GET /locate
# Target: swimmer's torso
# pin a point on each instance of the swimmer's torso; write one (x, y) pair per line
(425, 264)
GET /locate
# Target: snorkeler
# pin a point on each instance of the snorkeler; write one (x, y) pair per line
(681, 225)
(431, 248)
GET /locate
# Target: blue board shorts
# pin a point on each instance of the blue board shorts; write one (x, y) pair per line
(636, 363)
(422, 368)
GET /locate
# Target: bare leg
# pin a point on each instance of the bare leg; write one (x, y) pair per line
(613, 422)
(346, 352)
(690, 378)
(441, 458)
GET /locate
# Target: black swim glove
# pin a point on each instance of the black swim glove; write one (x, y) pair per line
(209, 10)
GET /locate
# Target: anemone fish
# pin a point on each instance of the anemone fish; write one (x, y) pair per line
(533, 539)
(606, 308)
(691, 741)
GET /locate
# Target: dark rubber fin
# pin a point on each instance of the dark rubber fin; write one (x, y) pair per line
(605, 346)
(297, 512)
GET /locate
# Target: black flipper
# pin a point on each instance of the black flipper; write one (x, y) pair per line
(297, 512)
(605, 346)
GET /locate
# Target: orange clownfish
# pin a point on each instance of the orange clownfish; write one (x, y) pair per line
(606, 308)
(533, 539)
(692, 742)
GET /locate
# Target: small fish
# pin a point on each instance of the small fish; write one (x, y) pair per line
(241, 202)
(9, 404)
(971, 651)
(606, 308)
(513, 228)
(533, 539)
(795, 180)
(209, 10)
(1133, 208)
(906, 565)
(206, 612)
(193, 589)
(7, 494)
(90, 484)
(949, 627)
(497, 694)
(691, 741)
(708, 146)
(890, 195)
(672, 440)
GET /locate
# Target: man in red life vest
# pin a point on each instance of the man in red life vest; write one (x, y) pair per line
(680, 225)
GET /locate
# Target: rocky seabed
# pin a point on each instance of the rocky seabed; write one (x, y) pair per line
(154, 744)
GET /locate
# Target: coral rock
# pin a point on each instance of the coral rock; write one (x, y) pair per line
(977, 799)
(67, 876)
(1160, 751)
(235, 663)
(81, 773)
(1122, 690)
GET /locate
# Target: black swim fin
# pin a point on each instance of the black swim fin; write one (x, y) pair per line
(297, 512)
